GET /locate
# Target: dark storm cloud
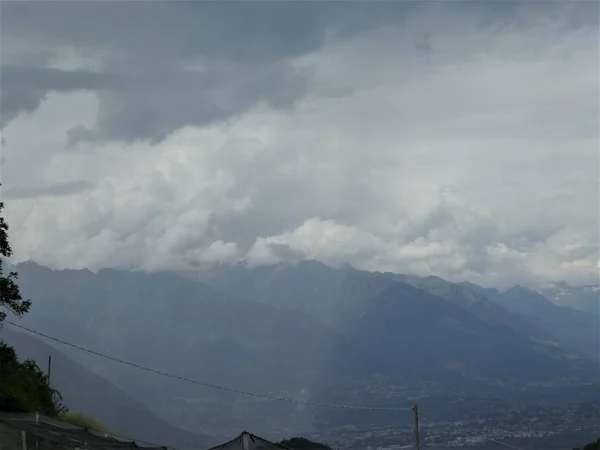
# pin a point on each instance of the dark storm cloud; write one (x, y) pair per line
(251, 32)
(245, 47)
(154, 106)
(24, 88)
(45, 78)
(54, 190)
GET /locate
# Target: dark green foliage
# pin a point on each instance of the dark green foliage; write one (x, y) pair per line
(84, 391)
(300, 443)
(83, 420)
(24, 387)
(591, 446)
(10, 297)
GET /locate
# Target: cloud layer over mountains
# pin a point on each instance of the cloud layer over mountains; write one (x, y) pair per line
(429, 139)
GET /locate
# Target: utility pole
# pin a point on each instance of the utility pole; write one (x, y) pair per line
(49, 367)
(416, 415)
(23, 440)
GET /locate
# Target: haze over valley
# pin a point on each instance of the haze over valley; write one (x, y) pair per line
(314, 333)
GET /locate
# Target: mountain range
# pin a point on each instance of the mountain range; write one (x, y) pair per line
(582, 298)
(575, 329)
(301, 330)
(339, 296)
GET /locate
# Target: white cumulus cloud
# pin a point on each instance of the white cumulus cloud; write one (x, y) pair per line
(460, 143)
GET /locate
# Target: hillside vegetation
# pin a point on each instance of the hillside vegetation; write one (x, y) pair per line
(591, 446)
(23, 386)
(82, 420)
(300, 443)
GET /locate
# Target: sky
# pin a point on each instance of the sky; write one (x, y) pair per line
(459, 139)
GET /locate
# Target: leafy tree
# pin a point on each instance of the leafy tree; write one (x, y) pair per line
(591, 446)
(24, 387)
(10, 296)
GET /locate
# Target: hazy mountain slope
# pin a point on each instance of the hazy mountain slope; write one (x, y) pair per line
(488, 292)
(329, 294)
(358, 303)
(574, 328)
(583, 298)
(87, 392)
(477, 302)
(184, 327)
(432, 336)
(337, 295)
(164, 317)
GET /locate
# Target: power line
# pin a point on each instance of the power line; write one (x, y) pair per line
(205, 384)
(240, 391)
(483, 437)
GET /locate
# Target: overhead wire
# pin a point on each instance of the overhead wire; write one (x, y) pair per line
(204, 383)
(241, 391)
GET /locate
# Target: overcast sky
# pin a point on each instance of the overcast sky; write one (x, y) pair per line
(456, 139)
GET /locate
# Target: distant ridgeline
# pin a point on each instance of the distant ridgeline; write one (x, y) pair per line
(591, 446)
(300, 443)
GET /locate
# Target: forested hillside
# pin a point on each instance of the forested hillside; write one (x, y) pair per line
(23, 386)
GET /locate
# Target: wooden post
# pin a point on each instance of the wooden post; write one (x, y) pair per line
(37, 422)
(417, 439)
(23, 440)
(49, 367)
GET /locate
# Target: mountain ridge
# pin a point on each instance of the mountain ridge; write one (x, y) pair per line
(315, 328)
(336, 295)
